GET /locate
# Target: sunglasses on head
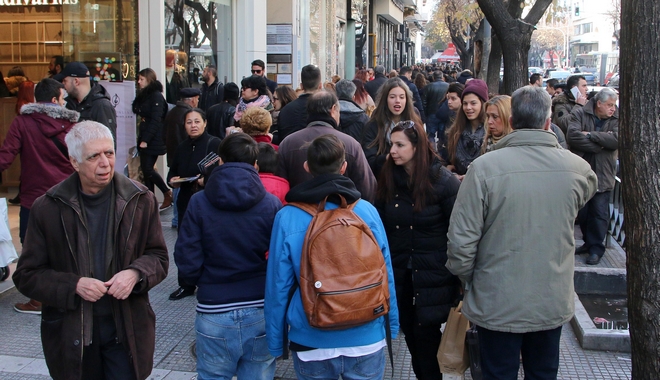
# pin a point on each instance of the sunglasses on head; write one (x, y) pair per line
(256, 71)
(407, 124)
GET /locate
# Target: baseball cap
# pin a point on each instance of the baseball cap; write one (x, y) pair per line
(73, 69)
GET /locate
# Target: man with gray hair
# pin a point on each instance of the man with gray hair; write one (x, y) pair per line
(593, 134)
(94, 248)
(518, 289)
(375, 84)
(323, 112)
(352, 118)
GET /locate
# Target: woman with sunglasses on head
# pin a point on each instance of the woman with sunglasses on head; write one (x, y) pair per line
(415, 199)
(466, 135)
(254, 93)
(394, 103)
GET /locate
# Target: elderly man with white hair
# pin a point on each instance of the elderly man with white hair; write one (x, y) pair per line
(593, 134)
(94, 247)
(352, 118)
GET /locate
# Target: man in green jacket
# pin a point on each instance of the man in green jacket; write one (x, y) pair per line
(511, 241)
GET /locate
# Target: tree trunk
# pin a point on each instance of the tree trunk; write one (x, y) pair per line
(494, 63)
(639, 140)
(514, 53)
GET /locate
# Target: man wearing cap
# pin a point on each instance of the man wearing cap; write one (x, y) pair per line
(89, 99)
(175, 131)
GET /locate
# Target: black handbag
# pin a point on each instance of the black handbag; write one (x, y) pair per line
(472, 343)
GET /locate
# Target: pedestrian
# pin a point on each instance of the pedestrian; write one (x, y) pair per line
(352, 118)
(267, 162)
(394, 104)
(416, 196)
(374, 85)
(362, 97)
(213, 91)
(88, 98)
(293, 116)
(593, 134)
(434, 94)
(221, 116)
(498, 113)
(229, 264)
(185, 175)
(256, 122)
(97, 319)
(356, 352)
(324, 114)
(282, 96)
(466, 135)
(150, 106)
(254, 93)
(517, 273)
(37, 135)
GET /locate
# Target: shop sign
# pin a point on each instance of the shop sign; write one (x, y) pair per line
(27, 3)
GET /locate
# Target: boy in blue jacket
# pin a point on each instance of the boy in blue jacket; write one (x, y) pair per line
(357, 352)
(222, 249)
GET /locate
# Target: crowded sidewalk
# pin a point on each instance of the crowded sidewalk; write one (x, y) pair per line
(21, 355)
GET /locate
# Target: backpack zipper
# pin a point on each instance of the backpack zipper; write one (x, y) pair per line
(351, 290)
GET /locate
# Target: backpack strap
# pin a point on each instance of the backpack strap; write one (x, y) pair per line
(61, 147)
(388, 338)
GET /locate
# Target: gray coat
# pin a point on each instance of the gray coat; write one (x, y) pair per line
(511, 233)
(599, 148)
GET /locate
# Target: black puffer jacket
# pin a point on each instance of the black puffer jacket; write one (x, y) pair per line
(373, 86)
(418, 240)
(220, 117)
(352, 119)
(150, 107)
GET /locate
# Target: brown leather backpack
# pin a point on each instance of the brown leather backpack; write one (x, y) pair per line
(343, 276)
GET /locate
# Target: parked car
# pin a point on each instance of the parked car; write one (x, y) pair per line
(614, 82)
(547, 72)
(535, 70)
(560, 75)
(592, 79)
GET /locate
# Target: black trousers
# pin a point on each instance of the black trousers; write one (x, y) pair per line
(422, 341)
(594, 219)
(151, 177)
(106, 358)
(23, 217)
(500, 354)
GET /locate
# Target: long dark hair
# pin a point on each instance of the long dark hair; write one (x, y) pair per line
(360, 93)
(149, 74)
(460, 124)
(421, 179)
(382, 115)
(285, 94)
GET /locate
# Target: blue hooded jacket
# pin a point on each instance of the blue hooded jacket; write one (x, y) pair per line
(225, 235)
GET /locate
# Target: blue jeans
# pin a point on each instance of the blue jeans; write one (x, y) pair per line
(175, 210)
(432, 127)
(500, 354)
(366, 367)
(233, 343)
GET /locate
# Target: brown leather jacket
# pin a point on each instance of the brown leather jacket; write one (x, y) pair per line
(55, 256)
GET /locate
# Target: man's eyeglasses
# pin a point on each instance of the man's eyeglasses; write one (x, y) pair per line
(256, 71)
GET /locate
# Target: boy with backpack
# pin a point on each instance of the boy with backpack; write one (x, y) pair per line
(341, 255)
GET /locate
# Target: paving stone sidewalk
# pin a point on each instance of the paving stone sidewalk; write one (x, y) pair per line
(21, 355)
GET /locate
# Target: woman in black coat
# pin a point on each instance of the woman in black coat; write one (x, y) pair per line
(150, 106)
(186, 175)
(415, 199)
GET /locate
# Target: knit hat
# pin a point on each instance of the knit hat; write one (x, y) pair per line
(477, 87)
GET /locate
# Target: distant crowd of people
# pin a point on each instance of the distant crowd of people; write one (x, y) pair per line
(467, 194)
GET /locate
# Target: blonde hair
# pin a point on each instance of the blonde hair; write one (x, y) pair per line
(256, 121)
(503, 105)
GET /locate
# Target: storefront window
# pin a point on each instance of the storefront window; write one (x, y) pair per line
(104, 35)
(199, 32)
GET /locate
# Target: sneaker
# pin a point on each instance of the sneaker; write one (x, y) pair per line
(30, 307)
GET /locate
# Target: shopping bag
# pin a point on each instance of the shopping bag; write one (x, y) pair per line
(453, 356)
(472, 341)
(7, 249)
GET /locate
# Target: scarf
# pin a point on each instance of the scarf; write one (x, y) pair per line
(263, 101)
